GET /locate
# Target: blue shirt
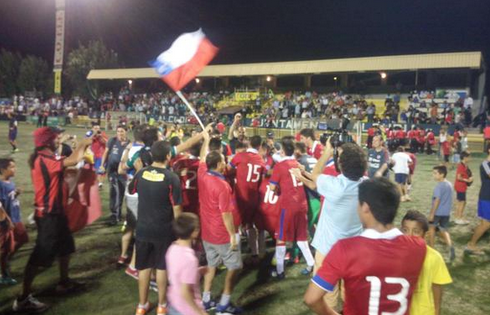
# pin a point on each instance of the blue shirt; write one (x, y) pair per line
(9, 200)
(339, 218)
(444, 192)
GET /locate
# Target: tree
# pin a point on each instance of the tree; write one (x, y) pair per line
(85, 58)
(33, 74)
(9, 70)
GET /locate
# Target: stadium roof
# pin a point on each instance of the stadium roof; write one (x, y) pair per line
(472, 60)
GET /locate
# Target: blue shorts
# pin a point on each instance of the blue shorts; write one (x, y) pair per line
(12, 135)
(97, 163)
(401, 178)
(441, 222)
(484, 209)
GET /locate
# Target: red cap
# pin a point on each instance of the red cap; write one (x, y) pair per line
(45, 135)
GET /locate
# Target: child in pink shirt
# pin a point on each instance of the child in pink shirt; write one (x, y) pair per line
(183, 294)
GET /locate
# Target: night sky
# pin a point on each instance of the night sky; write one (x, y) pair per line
(253, 31)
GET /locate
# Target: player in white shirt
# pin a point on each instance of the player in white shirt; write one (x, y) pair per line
(401, 169)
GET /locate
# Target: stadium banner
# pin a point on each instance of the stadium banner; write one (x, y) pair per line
(59, 45)
(246, 96)
(57, 81)
(296, 124)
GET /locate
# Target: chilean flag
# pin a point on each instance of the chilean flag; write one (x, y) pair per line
(187, 56)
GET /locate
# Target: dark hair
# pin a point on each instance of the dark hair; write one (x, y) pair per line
(122, 127)
(266, 147)
(185, 224)
(382, 197)
(213, 159)
(414, 215)
(160, 151)
(196, 149)
(400, 149)
(5, 162)
(441, 169)
(308, 133)
(465, 154)
(150, 136)
(241, 144)
(352, 161)
(301, 147)
(174, 141)
(287, 144)
(215, 144)
(33, 156)
(255, 142)
(139, 131)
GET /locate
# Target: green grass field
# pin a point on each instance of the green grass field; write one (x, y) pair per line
(109, 291)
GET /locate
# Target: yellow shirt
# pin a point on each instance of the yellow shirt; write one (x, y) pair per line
(434, 271)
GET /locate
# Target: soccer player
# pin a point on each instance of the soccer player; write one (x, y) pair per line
(250, 168)
(380, 267)
(187, 168)
(427, 297)
(159, 203)
(315, 148)
(54, 238)
(378, 158)
(401, 168)
(442, 202)
(13, 125)
(463, 179)
(483, 206)
(268, 214)
(293, 220)
(218, 227)
(12, 231)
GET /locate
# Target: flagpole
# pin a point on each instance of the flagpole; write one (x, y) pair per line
(190, 108)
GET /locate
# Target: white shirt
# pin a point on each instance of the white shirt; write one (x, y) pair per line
(401, 160)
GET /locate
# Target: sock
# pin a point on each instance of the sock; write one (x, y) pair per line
(252, 240)
(162, 305)
(262, 246)
(225, 299)
(280, 254)
(206, 296)
(145, 306)
(305, 249)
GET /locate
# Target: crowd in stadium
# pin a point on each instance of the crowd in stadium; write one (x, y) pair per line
(191, 205)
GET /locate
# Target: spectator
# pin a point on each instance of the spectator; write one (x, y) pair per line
(314, 147)
(98, 147)
(110, 163)
(464, 178)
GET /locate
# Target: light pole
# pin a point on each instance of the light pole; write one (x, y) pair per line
(59, 45)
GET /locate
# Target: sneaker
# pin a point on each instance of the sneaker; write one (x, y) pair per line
(278, 276)
(143, 310)
(133, 273)
(307, 271)
(15, 151)
(475, 251)
(153, 286)
(8, 280)
(29, 304)
(452, 254)
(162, 310)
(228, 309)
(68, 286)
(407, 198)
(209, 305)
(403, 199)
(100, 185)
(122, 261)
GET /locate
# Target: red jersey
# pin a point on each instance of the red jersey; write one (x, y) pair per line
(431, 139)
(380, 271)
(215, 198)
(486, 132)
(461, 186)
(187, 169)
(400, 134)
(390, 134)
(292, 194)
(50, 189)
(98, 145)
(268, 214)
(249, 167)
(446, 148)
(316, 150)
(370, 132)
(456, 136)
(421, 136)
(269, 162)
(177, 158)
(412, 166)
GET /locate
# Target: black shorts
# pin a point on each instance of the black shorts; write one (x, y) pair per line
(152, 254)
(12, 135)
(53, 240)
(441, 222)
(130, 220)
(446, 158)
(461, 196)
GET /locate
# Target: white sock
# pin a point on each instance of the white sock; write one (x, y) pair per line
(252, 240)
(262, 246)
(225, 299)
(280, 254)
(145, 306)
(206, 296)
(305, 249)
